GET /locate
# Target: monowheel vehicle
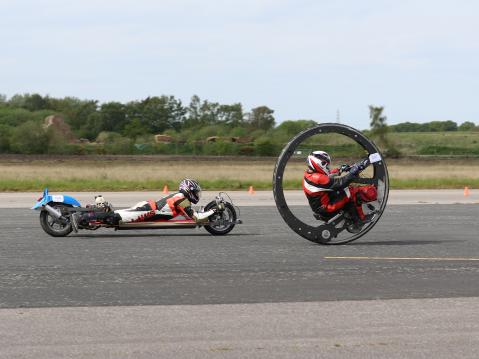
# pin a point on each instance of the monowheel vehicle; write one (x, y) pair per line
(339, 228)
(56, 213)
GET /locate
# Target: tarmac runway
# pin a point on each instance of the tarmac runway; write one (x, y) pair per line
(260, 275)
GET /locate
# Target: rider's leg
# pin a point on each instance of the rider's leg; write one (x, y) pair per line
(107, 217)
(360, 195)
(337, 200)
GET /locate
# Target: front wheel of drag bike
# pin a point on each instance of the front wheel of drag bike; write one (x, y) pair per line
(53, 226)
(222, 222)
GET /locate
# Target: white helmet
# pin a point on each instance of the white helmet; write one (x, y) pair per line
(100, 201)
(319, 161)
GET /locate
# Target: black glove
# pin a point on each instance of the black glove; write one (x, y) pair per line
(363, 164)
(354, 170)
(359, 166)
(344, 168)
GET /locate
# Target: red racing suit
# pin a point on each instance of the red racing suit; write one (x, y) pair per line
(327, 194)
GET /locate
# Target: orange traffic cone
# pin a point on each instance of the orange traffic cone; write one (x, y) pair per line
(466, 191)
(251, 190)
(165, 189)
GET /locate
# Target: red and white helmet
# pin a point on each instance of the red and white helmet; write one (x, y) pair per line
(319, 161)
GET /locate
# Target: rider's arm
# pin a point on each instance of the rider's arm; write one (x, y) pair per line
(202, 216)
(191, 213)
(331, 182)
(336, 183)
(340, 182)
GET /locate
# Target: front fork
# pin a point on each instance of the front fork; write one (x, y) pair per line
(220, 203)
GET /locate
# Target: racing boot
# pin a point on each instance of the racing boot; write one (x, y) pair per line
(74, 220)
(112, 218)
(354, 224)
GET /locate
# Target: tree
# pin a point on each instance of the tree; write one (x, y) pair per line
(193, 112)
(212, 113)
(467, 126)
(134, 129)
(292, 128)
(113, 116)
(35, 102)
(378, 121)
(158, 113)
(231, 114)
(380, 129)
(261, 118)
(5, 133)
(441, 126)
(93, 126)
(29, 138)
(75, 111)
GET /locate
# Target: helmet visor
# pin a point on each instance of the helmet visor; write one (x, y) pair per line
(325, 165)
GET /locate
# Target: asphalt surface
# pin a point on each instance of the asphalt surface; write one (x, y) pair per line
(407, 328)
(421, 251)
(409, 288)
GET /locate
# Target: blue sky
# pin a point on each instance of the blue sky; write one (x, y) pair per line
(305, 59)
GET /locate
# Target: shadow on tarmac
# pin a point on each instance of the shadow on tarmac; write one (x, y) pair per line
(146, 235)
(403, 243)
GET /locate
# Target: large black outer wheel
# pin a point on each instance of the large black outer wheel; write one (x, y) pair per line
(325, 233)
(53, 226)
(226, 219)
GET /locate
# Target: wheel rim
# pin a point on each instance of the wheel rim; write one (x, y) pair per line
(225, 219)
(54, 224)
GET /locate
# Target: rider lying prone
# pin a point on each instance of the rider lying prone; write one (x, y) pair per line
(169, 207)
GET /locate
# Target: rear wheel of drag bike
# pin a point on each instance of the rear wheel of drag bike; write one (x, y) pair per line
(223, 222)
(53, 226)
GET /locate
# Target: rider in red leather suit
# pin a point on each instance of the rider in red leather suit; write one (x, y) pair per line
(328, 192)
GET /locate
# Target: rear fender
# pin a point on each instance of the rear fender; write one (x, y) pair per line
(48, 198)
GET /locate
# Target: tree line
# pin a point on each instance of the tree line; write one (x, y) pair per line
(155, 114)
(128, 127)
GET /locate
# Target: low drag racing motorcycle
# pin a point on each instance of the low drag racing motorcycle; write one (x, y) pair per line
(56, 213)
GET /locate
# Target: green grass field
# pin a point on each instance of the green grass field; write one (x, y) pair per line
(63, 174)
(437, 143)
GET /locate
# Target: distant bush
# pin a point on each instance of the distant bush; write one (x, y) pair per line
(5, 133)
(29, 138)
(446, 150)
(119, 146)
(266, 147)
(467, 126)
(433, 126)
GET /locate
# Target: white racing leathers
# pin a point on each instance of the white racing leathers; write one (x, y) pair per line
(169, 207)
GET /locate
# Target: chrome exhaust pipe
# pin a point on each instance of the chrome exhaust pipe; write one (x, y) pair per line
(53, 212)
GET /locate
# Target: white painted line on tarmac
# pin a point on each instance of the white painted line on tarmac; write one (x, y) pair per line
(407, 258)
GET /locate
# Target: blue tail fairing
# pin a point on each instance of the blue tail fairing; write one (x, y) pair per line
(47, 198)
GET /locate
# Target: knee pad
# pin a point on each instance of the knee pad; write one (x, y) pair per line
(368, 193)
